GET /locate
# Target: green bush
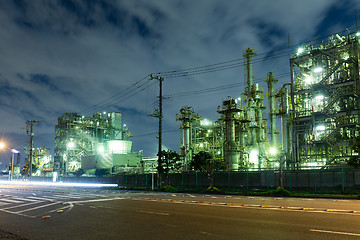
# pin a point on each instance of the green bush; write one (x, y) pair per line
(213, 190)
(168, 188)
(279, 191)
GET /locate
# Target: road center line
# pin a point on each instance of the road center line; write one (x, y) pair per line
(157, 213)
(333, 232)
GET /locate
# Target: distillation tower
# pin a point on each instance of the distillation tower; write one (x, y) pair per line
(198, 134)
(239, 136)
(325, 101)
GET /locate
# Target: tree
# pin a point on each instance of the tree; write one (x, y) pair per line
(79, 172)
(101, 172)
(354, 160)
(205, 162)
(170, 162)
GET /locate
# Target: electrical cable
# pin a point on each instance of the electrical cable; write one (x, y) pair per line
(114, 97)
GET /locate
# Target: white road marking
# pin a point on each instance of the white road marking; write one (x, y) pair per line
(157, 213)
(20, 214)
(22, 205)
(25, 199)
(34, 208)
(96, 200)
(334, 232)
(10, 201)
(42, 198)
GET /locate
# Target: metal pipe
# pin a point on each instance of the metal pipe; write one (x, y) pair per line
(271, 80)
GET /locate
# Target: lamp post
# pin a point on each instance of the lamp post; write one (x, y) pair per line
(2, 145)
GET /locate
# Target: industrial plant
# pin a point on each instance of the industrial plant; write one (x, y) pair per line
(312, 120)
(100, 141)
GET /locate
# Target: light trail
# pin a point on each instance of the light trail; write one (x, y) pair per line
(56, 184)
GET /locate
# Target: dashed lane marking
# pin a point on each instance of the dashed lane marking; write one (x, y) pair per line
(156, 213)
(233, 205)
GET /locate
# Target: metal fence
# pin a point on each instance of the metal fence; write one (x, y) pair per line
(311, 180)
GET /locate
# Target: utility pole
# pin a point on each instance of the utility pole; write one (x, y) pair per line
(159, 114)
(29, 131)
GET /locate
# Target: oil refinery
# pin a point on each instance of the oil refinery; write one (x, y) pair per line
(100, 141)
(312, 120)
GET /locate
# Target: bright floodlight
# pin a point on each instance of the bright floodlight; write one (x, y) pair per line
(320, 128)
(253, 156)
(2, 145)
(273, 151)
(358, 34)
(14, 151)
(71, 144)
(319, 97)
(300, 50)
(101, 149)
(318, 69)
(205, 122)
(309, 80)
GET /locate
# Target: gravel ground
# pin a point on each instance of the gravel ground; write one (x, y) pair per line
(9, 236)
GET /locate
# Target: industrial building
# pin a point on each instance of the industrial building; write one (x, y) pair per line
(325, 100)
(43, 161)
(100, 141)
(312, 119)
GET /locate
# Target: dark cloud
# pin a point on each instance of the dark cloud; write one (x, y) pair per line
(69, 55)
(268, 33)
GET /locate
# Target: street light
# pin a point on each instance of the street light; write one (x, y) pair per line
(2, 145)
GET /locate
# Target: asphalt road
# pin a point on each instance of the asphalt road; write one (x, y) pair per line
(77, 213)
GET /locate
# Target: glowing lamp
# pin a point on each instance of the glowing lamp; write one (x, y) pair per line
(319, 97)
(309, 80)
(320, 128)
(318, 69)
(71, 145)
(273, 151)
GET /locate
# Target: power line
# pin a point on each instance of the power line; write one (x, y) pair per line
(117, 96)
(236, 62)
(215, 89)
(153, 133)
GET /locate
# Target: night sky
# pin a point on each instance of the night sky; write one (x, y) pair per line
(87, 56)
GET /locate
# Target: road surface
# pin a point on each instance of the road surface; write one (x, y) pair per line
(32, 212)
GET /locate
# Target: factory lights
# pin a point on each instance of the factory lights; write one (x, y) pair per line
(71, 145)
(320, 128)
(273, 151)
(318, 70)
(253, 156)
(319, 97)
(300, 50)
(309, 80)
(101, 149)
(205, 122)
